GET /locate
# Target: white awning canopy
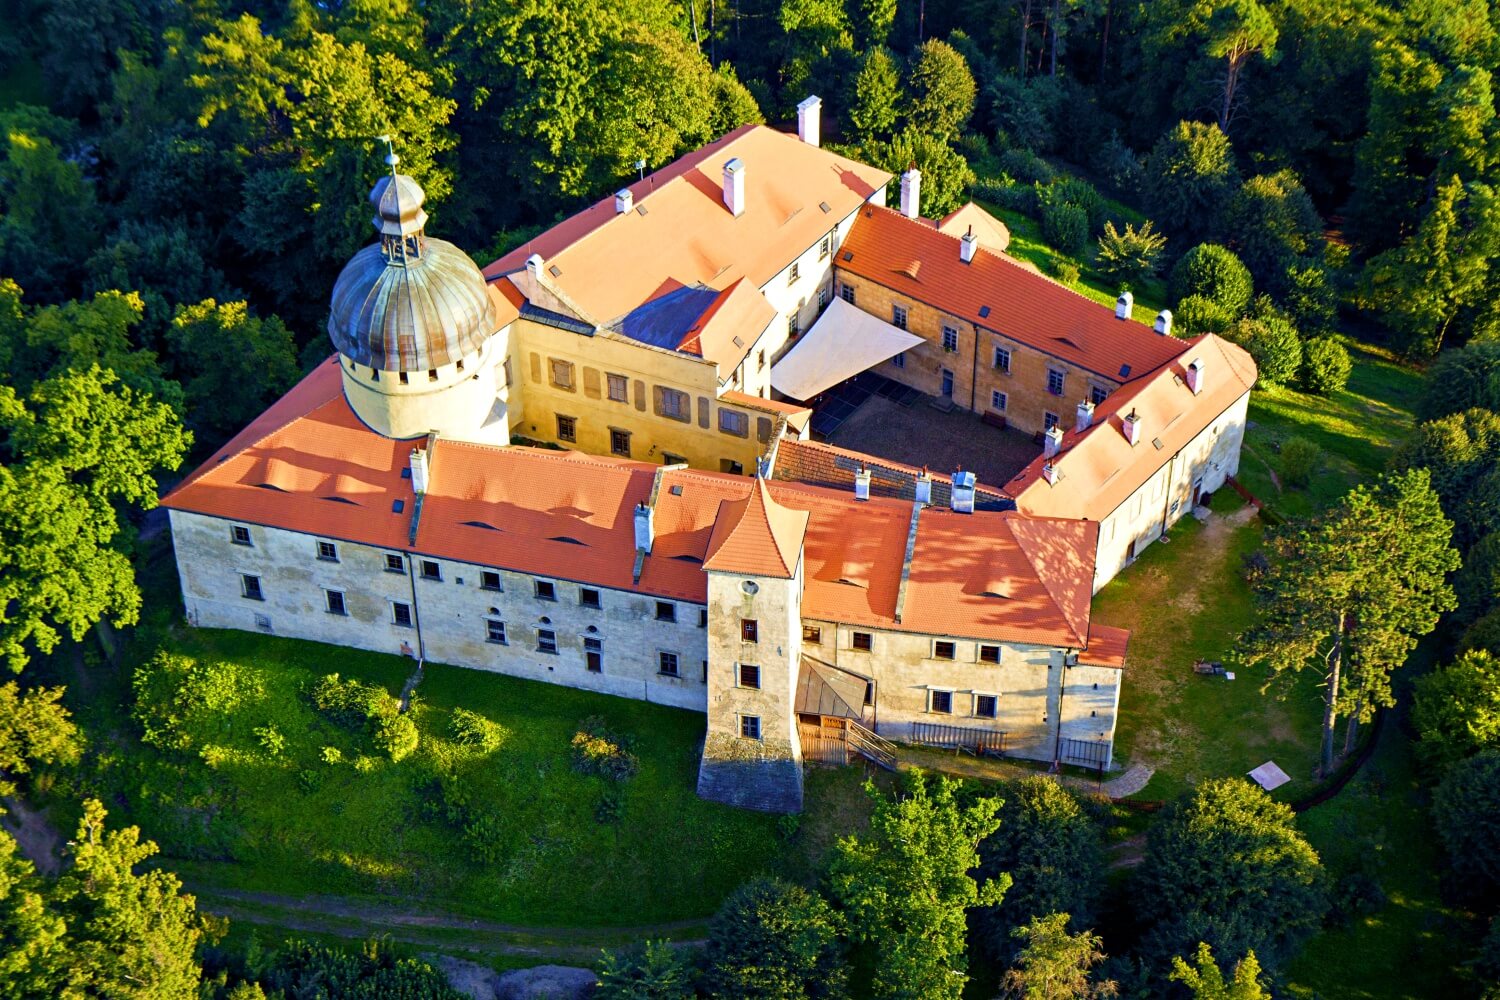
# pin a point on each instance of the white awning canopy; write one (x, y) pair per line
(842, 343)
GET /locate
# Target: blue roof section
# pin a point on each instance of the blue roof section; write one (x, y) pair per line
(666, 319)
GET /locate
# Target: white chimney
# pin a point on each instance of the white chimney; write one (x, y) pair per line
(924, 487)
(967, 246)
(624, 201)
(645, 527)
(534, 266)
(911, 192)
(1195, 376)
(862, 484)
(1123, 305)
(962, 499)
(1131, 425)
(1085, 418)
(419, 471)
(1163, 323)
(808, 113)
(1052, 441)
(1049, 473)
(734, 186)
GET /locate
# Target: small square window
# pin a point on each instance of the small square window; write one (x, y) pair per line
(734, 422)
(546, 590)
(489, 579)
(402, 378)
(562, 374)
(494, 631)
(749, 630)
(998, 400)
(335, 600)
(432, 375)
(898, 317)
(1055, 380)
(1049, 421)
(989, 654)
(793, 273)
(749, 675)
(812, 634)
(943, 650)
(666, 611)
(862, 641)
(395, 563)
(593, 656)
(431, 570)
(619, 443)
(760, 361)
(667, 458)
(940, 702)
(750, 727)
(619, 388)
(1098, 394)
(985, 706)
(567, 429)
(793, 325)
(666, 663)
(401, 614)
(250, 587)
(546, 640)
(588, 597)
(732, 467)
(950, 339)
(239, 535)
(846, 292)
(1002, 359)
(328, 552)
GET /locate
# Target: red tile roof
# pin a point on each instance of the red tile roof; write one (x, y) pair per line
(756, 536)
(916, 260)
(729, 327)
(1106, 647)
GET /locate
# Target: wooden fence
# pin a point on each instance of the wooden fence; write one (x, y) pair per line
(976, 741)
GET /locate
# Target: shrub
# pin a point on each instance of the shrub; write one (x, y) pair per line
(1274, 345)
(1195, 314)
(484, 835)
(332, 755)
(1118, 163)
(651, 970)
(395, 735)
(1299, 457)
(1325, 366)
(1132, 255)
(1066, 226)
(271, 740)
(1466, 812)
(1311, 302)
(1215, 273)
(472, 730)
(600, 752)
(181, 701)
(1457, 710)
(610, 808)
(1026, 166)
(772, 939)
(1066, 270)
(1075, 191)
(369, 708)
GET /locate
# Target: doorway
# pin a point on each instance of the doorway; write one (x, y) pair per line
(947, 384)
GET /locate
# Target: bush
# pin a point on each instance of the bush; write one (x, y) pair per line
(1065, 226)
(1132, 255)
(772, 939)
(368, 708)
(1325, 366)
(1066, 270)
(1026, 167)
(180, 702)
(271, 740)
(1195, 314)
(1466, 812)
(600, 752)
(1274, 345)
(651, 970)
(474, 731)
(303, 969)
(1074, 191)
(395, 735)
(1457, 710)
(1118, 164)
(1215, 273)
(1483, 635)
(1299, 457)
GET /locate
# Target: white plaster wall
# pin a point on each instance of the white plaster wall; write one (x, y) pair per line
(1090, 704)
(468, 404)
(799, 297)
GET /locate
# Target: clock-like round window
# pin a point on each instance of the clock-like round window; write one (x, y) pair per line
(750, 587)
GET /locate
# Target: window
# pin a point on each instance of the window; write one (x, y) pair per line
(335, 599)
(985, 706)
(328, 552)
(822, 296)
(794, 272)
(593, 656)
(431, 570)
(899, 360)
(619, 388)
(950, 339)
(666, 663)
(489, 579)
(749, 675)
(1049, 421)
(562, 374)
(459, 365)
(943, 650)
(862, 641)
(250, 587)
(507, 373)
(567, 428)
(394, 563)
(667, 458)
(545, 590)
(749, 630)
(898, 317)
(734, 422)
(732, 467)
(846, 292)
(989, 654)
(673, 404)
(760, 361)
(239, 535)
(998, 400)
(1098, 394)
(750, 727)
(1002, 359)
(703, 618)
(401, 614)
(812, 634)
(588, 597)
(793, 325)
(1055, 381)
(401, 377)
(546, 641)
(432, 374)
(494, 631)
(666, 611)
(825, 246)
(940, 702)
(619, 442)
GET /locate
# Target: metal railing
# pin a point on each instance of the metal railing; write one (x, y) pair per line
(976, 741)
(1084, 753)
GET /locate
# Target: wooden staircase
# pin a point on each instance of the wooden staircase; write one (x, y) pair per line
(877, 749)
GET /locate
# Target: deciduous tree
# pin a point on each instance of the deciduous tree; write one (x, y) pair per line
(1132, 255)
(1466, 812)
(877, 96)
(34, 729)
(1204, 980)
(1457, 709)
(1462, 453)
(1056, 965)
(1461, 379)
(1190, 177)
(1273, 225)
(774, 941)
(232, 364)
(1214, 272)
(941, 90)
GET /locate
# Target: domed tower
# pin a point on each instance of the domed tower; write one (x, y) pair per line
(415, 328)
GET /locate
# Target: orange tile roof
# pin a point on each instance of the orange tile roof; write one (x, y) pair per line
(1099, 470)
(729, 327)
(916, 260)
(756, 536)
(681, 234)
(1106, 647)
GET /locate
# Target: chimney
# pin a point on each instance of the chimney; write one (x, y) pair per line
(1123, 305)
(924, 487)
(911, 192)
(1049, 473)
(763, 467)
(419, 471)
(1195, 376)
(862, 484)
(1052, 441)
(808, 113)
(967, 245)
(645, 527)
(534, 266)
(1085, 417)
(1163, 323)
(1131, 425)
(624, 201)
(963, 492)
(734, 186)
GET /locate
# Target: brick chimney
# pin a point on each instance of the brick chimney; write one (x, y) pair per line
(1085, 417)
(808, 114)
(1195, 376)
(624, 201)
(1052, 441)
(734, 186)
(962, 500)
(645, 527)
(1131, 426)
(911, 192)
(1163, 323)
(862, 484)
(1123, 305)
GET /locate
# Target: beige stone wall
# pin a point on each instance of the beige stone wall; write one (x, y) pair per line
(1089, 705)
(467, 400)
(774, 606)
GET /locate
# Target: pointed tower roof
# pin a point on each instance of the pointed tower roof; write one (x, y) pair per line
(756, 536)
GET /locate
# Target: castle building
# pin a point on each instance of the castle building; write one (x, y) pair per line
(819, 607)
